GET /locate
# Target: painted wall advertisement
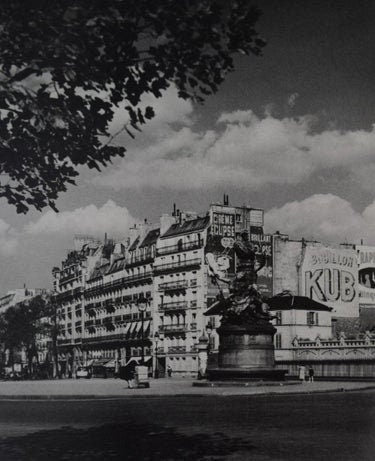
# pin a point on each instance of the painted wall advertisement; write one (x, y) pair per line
(263, 248)
(226, 224)
(220, 240)
(366, 275)
(330, 276)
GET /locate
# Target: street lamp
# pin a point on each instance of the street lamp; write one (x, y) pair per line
(142, 305)
(157, 336)
(209, 329)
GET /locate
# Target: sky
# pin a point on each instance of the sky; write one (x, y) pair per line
(291, 132)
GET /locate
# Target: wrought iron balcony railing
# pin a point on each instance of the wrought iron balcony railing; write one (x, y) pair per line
(174, 286)
(178, 305)
(182, 328)
(177, 265)
(167, 250)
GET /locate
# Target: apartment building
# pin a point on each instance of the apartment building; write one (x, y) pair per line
(118, 303)
(180, 291)
(69, 285)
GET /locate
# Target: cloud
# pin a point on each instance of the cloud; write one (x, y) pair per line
(8, 239)
(169, 110)
(244, 150)
(324, 217)
(291, 101)
(91, 220)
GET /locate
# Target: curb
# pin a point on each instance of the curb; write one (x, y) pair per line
(88, 397)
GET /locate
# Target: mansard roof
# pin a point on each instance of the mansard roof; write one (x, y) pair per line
(150, 238)
(117, 265)
(194, 225)
(133, 246)
(286, 302)
(99, 271)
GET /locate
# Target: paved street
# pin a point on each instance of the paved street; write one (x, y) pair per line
(197, 427)
(89, 388)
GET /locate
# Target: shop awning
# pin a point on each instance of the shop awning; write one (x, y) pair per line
(100, 362)
(148, 358)
(133, 328)
(147, 326)
(111, 364)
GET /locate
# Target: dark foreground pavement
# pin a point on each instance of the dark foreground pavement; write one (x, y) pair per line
(338, 426)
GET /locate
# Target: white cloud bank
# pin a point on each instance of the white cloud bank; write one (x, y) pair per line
(324, 217)
(246, 151)
(8, 239)
(91, 220)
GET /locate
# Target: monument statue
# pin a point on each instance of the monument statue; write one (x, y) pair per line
(244, 305)
(246, 350)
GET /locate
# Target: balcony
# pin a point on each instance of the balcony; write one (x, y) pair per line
(177, 349)
(170, 329)
(70, 278)
(140, 260)
(174, 286)
(168, 250)
(176, 306)
(64, 342)
(177, 265)
(119, 284)
(65, 296)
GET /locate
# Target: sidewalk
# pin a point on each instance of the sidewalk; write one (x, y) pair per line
(116, 388)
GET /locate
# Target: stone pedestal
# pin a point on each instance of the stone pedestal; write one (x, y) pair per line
(246, 352)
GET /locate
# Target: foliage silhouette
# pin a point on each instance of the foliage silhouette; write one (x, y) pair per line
(67, 64)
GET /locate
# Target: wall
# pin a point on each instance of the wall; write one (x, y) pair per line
(334, 359)
(294, 324)
(286, 257)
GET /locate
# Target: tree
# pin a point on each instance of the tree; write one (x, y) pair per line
(20, 326)
(65, 65)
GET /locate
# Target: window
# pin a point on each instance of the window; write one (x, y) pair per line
(316, 318)
(310, 318)
(279, 318)
(278, 341)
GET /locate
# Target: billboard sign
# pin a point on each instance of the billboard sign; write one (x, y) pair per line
(330, 276)
(220, 238)
(366, 275)
(256, 217)
(263, 248)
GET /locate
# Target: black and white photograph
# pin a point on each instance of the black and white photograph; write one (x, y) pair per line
(187, 230)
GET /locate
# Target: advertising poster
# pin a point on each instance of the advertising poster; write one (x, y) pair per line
(330, 276)
(366, 275)
(220, 240)
(263, 248)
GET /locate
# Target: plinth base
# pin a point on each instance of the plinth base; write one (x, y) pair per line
(245, 374)
(244, 383)
(246, 353)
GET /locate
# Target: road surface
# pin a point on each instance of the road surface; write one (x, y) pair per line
(282, 427)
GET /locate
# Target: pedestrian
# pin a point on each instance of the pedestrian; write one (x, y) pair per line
(311, 374)
(169, 371)
(127, 373)
(302, 372)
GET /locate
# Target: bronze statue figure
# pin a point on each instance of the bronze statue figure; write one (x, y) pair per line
(244, 305)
